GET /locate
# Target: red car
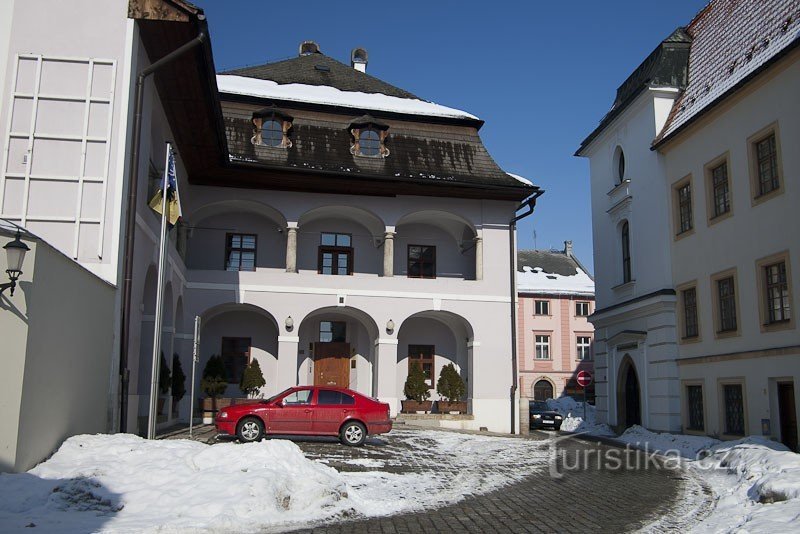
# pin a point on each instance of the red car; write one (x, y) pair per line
(308, 411)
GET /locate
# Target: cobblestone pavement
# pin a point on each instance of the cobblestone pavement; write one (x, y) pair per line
(592, 494)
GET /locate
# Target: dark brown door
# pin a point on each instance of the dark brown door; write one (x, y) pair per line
(332, 364)
(788, 415)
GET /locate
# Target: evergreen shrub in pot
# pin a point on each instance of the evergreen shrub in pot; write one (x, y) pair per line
(417, 392)
(451, 388)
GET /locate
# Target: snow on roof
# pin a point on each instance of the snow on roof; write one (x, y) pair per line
(535, 279)
(730, 41)
(520, 178)
(323, 94)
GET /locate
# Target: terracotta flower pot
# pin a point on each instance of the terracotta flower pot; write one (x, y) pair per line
(412, 406)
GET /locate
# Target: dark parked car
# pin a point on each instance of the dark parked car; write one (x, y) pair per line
(541, 416)
(308, 411)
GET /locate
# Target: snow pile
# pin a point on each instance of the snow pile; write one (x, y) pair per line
(572, 411)
(323, 94)
(125, 483)
(536, 279)
(691, 447)
(757, 482)
(519, 178)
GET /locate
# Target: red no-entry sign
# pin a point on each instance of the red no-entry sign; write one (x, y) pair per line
(584, 378)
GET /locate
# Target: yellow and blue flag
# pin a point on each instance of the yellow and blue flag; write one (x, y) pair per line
(171, 188)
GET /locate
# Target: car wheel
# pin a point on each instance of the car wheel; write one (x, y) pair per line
(557, 427)
(353, 434)
(250, 429)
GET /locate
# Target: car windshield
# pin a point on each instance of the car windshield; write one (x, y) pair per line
(540, 406)
(272, 398)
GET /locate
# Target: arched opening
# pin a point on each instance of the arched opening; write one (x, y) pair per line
(240, 333)
(340, 240)
(542, 390)
(625, 244)
(433, 339)
(236, 236)
(435, 244)
(629, 411)
(341, 344)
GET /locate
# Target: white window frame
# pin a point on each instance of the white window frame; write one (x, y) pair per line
(541, 347)
(580, 346)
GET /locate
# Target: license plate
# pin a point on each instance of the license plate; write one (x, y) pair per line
(548, 422)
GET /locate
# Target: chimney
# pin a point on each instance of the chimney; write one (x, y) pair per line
(309, 47)
(358, 59)
(568, 248)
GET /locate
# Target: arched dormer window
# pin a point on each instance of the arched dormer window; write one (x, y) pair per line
(625, 235)
(271, 128)
(369, 137)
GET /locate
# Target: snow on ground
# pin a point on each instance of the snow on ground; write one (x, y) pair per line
(323, 94)
(572, 411)
(756, 480)
(123, 483)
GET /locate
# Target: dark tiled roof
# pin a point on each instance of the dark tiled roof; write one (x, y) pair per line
(731, 40)
(319, 69)
(419, 155)
(551, 261)
(666, 66)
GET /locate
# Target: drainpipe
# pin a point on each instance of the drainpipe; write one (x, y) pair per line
(130, 222)
(530, 204)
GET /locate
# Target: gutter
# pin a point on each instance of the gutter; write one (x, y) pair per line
(530, 204)
(130, 222)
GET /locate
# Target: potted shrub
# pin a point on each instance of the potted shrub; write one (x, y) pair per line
(451, 387)
(164, 383)
(213, 383)
(416, 392)
(252, 380)
(178, 383)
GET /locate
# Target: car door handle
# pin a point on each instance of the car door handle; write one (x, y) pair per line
(307, 410)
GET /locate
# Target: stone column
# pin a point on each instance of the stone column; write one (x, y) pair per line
(385, 369)
(388, 254)
(291, 248)
(478, 258)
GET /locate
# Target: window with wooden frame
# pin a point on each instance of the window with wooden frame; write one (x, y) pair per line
(690, 322)
(240, 252)
(235, 355)
(332, 331)
(423, 356)
(775, 292)
(726, 304)
(719, 190)
(421, 261)
(584, 347)
(335, 256)
(765, 164)
(684, 219)
(542, 347)
(582, 308)
(541, 307)
(625, 236)
(695, 414)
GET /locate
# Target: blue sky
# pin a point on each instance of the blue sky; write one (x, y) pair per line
(541, 74)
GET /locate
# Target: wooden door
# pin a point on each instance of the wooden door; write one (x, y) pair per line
(788, 415)
(332, 364)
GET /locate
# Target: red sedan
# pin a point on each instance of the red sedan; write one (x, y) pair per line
(308, 411)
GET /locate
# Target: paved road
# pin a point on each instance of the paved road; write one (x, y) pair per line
(596, 495)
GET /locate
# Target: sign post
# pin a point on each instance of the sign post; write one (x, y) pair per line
(195, 359)
(584, 380)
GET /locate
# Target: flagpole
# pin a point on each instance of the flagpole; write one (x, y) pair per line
(195, 359)
(159, 316)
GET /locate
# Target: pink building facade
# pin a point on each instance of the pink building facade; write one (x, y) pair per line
(555, 338)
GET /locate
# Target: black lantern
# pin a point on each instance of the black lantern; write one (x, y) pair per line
(15, 256)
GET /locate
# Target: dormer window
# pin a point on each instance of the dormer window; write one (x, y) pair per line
(369, 137)
(271, 133)
(369, 143)
(271, 128)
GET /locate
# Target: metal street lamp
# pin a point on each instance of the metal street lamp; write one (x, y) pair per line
(15, 254)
